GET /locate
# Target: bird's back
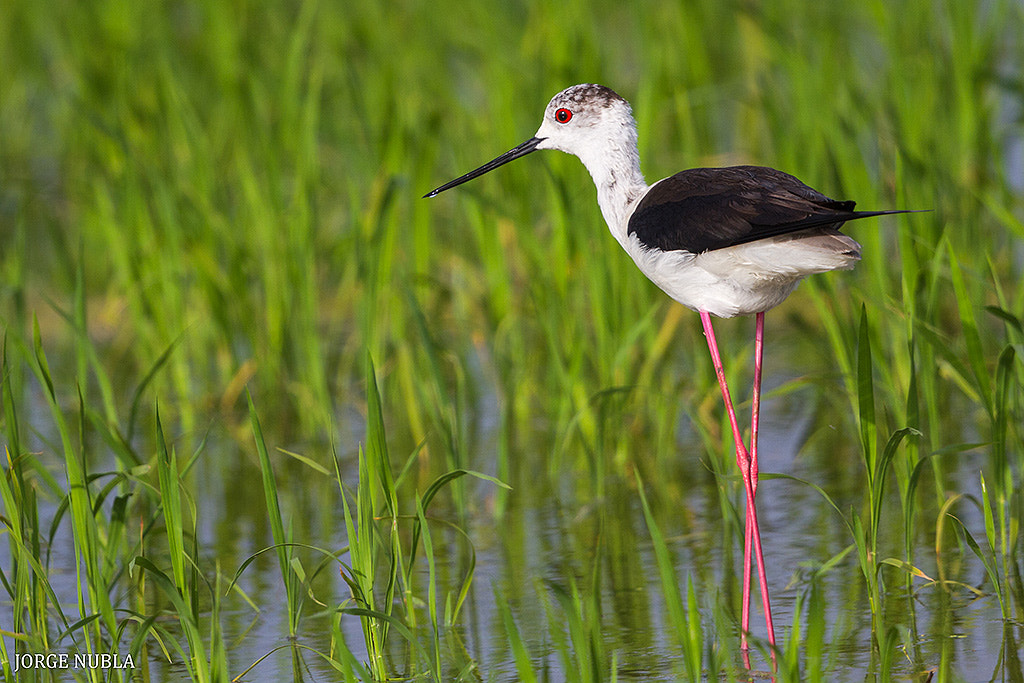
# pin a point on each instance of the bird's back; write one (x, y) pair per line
(735, 241)
(703, 209)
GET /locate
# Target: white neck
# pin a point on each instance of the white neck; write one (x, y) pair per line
(615, 169)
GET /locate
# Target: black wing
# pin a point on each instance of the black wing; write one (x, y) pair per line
(703, 209)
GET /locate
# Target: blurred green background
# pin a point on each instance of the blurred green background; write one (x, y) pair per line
(203, 198)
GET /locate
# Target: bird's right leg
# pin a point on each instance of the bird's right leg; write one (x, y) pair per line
(755, 412)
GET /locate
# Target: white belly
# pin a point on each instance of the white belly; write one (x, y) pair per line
(747, 278)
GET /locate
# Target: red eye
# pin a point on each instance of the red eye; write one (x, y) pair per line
(563, 115)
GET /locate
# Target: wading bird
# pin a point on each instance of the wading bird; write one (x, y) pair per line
(721, 241)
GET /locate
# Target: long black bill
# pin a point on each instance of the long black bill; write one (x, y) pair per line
(511, 155)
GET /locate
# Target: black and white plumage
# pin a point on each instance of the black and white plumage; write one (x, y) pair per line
(722, 241)
(703, 209)
(729, 241)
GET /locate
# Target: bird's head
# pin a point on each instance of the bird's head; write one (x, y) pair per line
(588, 120)
(585, 118)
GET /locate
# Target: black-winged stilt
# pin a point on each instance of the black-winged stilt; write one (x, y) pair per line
(721, 241)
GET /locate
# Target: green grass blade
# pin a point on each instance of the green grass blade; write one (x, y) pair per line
(689, 638)
(376, 443)
(866, 400)
(987, 560)
(972, 337)
(524, 666)
(167, 471)
(428, 552)
(277, 530)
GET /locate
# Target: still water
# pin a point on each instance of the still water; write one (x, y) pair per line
(547, 535)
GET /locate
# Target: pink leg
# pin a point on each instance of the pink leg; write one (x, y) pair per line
(748, 467)
(754, 418)
(755, 411)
